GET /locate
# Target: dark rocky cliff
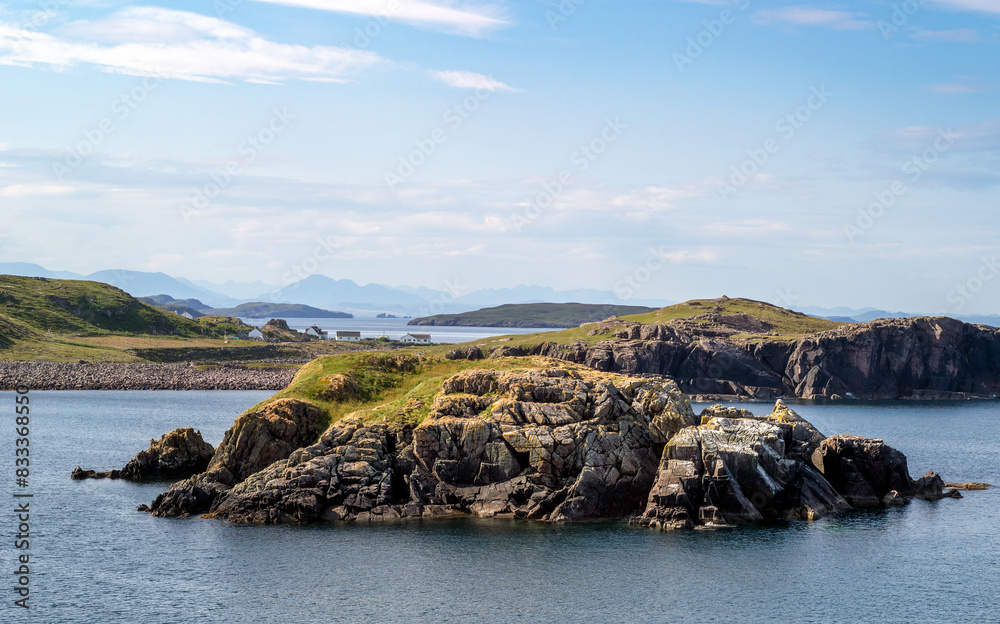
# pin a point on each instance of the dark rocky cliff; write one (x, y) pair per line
(915, 358)
(550, 443)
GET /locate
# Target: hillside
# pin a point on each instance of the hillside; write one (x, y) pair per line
(86, 308)
(62, 320)
(750, 349)
(259, 309)
(532, 315)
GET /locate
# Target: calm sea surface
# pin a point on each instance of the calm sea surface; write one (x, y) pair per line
(396, 328)
(94, 559)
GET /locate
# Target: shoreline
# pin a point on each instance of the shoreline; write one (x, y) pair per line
(140, 376)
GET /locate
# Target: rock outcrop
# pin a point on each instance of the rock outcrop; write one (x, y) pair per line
(736, 468)
(177, 454)
(913, 358)
(255, 441)
(549, 443)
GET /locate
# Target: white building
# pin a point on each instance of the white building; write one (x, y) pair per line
(316, 332)
(352, 336)
(256, 334)
(186, 315)
(416, 338)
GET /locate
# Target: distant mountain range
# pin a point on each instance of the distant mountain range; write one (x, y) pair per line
(344, 295)
(325, 293)
(864, 315)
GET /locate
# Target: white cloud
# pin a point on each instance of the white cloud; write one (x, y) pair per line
(471, 80)
(963, 84)
(808, 16)
(35, 190)
(986, 6)
(148, 41)
(960, 35)
(466, 19)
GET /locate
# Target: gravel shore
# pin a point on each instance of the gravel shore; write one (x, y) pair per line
(118, 376)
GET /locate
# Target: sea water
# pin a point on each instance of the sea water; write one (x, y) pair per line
(95, 559)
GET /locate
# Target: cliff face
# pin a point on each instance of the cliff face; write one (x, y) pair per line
(882, 359)
(551, 443)
(547, 444)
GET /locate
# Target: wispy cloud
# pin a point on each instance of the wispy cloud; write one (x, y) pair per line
(467, 18)
(963, 84)
(960, 35)
(148, 41)
(986, 6)
(471, 80)
(978, 137)
(809, 16)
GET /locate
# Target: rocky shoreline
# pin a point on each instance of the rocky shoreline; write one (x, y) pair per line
(550, 444)
(126, 376)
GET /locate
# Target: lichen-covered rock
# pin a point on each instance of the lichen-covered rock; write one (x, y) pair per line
(256, 440)
(177, 454)
(548, 444)
(731, 471)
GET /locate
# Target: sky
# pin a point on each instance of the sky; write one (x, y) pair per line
(810, 154)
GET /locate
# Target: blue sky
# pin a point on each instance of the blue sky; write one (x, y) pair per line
(840, 153)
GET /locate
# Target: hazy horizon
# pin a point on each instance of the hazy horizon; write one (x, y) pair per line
(825, 154)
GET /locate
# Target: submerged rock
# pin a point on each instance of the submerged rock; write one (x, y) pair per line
(177, 454)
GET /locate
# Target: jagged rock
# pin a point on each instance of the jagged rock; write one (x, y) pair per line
(932, 487)
(721, 411)
(549, 444)
(179, 453)
(731, 471)
(863, 470)
(919, 358)
(543, 443)
(256, 440)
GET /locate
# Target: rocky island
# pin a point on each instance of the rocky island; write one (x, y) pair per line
(739, 349)
(375, 437)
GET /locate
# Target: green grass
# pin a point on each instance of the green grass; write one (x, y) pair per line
(532, 315)
(82, 307)
(391, 387)
(785, 323)
(70, 320)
